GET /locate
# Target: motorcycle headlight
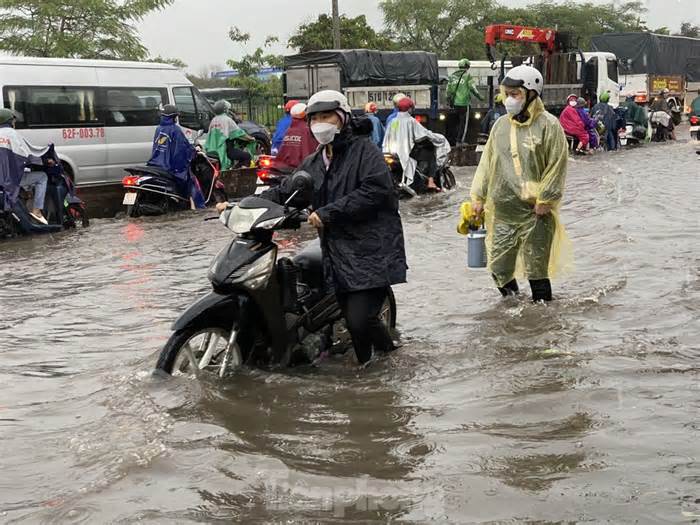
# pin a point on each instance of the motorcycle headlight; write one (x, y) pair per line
(256, 274)
(240, 220)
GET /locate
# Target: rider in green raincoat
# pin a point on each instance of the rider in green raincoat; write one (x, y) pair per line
(460, 90)
(519, 185)
(225, 136)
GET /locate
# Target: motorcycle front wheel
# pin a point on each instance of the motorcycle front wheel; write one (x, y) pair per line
(200, 351)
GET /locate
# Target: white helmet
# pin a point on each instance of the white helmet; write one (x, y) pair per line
(396, 98)
(526, 77)
(327, 100)
(298, 111)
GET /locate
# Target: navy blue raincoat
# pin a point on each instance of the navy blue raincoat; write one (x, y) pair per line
(173, 153)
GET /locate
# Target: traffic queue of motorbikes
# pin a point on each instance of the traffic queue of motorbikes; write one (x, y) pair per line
(629, 124)
(263, 309)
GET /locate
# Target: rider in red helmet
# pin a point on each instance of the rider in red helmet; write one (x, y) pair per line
(406, 104)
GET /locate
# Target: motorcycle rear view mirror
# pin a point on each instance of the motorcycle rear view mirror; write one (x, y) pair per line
(302, 184)
(302, 181)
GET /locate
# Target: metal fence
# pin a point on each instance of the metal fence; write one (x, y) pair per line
(263, 110)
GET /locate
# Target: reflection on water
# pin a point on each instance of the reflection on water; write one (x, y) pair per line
(582, 410)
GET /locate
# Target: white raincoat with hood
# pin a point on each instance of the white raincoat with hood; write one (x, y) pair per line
(402, 134)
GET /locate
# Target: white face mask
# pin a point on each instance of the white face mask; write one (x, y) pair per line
(573, 103)
(324, 132)
(514, 105)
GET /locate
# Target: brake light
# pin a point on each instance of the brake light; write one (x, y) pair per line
(421, 118)
(130, 180)
(263, 175)
(265, 161)
(694, 120)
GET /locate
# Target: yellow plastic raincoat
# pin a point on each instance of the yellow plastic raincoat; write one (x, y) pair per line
(524, 164)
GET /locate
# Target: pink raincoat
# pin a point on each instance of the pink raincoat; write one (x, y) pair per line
(573, 125)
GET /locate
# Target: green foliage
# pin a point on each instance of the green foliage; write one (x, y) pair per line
(203, 82)
(690, 30)
(250, 65)
(581, 20)
(455, 28)
(172, 61)
(75, 28)
(355, 33)
(450, 28)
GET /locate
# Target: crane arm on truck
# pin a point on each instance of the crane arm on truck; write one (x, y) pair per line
(546, 38)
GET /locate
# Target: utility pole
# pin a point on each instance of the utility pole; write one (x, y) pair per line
(336, 26)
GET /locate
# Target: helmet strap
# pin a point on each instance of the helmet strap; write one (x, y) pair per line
(524, 115)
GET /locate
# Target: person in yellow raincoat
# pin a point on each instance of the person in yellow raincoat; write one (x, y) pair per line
(519, 186)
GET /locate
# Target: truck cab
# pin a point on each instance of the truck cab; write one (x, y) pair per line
(601, 74)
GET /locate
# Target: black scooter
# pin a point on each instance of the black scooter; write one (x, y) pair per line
(261, 309)
(154, 191)
(62, 207)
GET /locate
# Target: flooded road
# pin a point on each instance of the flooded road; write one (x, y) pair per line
(586, 410)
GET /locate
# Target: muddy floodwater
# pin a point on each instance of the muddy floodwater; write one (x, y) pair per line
(586, 410)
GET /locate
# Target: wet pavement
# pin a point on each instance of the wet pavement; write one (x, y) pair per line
(586, 410)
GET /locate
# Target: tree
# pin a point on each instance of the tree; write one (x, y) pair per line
(581, 20)
(250, 66)
(455, 28)
(172, 61)
(356, 34)
(690, 30)
(75, 28)
(437, 25)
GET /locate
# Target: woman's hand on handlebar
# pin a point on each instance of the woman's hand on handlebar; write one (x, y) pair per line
(315, 221)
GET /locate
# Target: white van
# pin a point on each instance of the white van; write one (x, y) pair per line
(100, 114)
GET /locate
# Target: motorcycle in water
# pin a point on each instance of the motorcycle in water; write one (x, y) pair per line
(150, 190)
(694, 127)
(262, 308)
(430, 158)
(263, 140)
(62, 207)
(270, 173)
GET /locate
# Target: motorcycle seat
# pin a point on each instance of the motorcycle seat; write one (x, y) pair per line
(309, 259)
(213, 155)
(148, 170)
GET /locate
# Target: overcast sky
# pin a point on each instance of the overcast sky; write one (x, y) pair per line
(196, 31)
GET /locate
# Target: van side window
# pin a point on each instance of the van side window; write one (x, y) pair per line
(54, 106)
(132, 106)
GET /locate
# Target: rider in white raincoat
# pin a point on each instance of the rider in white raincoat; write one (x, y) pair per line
(402, 134)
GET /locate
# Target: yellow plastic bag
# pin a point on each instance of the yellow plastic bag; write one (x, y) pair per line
(468, 220)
